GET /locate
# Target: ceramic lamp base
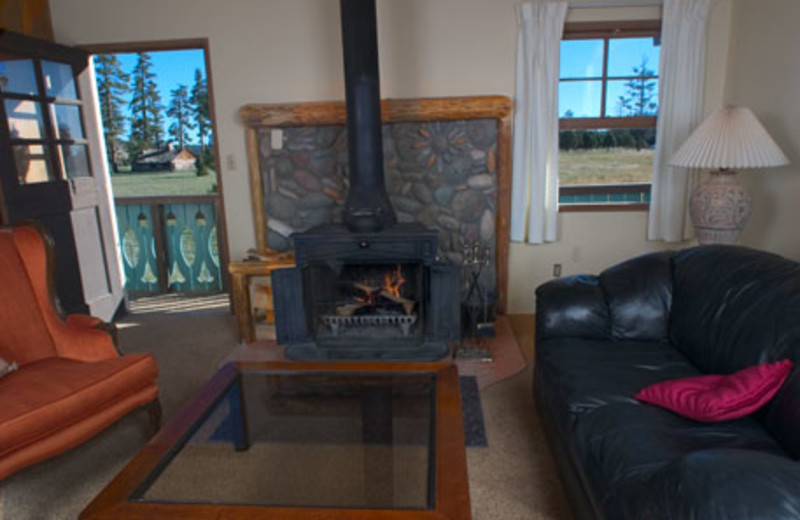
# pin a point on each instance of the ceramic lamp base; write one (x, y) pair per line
(720, 208)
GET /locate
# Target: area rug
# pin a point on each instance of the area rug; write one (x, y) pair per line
(471, 409)
(220, 428)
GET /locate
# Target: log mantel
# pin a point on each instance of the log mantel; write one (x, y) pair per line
(392, 111)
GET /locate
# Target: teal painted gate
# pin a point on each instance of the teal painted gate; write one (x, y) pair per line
(169, 244)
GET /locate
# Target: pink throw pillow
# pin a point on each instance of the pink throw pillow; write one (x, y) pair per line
(719, 398)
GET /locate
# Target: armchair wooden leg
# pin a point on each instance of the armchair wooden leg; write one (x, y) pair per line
(154, 416)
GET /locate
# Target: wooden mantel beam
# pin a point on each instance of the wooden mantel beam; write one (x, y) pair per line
(392, 111)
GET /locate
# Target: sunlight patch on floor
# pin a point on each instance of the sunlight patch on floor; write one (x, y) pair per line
(174, 303)
(125, 325)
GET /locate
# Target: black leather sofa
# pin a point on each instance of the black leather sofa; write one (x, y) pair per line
(600, 339)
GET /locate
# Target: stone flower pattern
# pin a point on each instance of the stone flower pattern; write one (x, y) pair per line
(430, 146)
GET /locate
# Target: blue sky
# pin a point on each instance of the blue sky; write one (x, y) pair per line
(171, 68)
(584, 59)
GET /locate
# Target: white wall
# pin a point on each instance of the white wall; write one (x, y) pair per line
(277, 51)
(764, 75)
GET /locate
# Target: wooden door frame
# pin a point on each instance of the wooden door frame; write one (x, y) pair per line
(178, 45)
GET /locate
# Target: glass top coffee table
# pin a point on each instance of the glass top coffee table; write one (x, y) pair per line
(302, 441)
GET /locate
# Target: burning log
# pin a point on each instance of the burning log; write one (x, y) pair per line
(368, 289)
(408, 305)
(349, 309)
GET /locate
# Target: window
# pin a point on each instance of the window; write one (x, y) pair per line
(43, 112)
(608, 103)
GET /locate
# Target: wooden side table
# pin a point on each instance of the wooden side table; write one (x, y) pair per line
(240, 281)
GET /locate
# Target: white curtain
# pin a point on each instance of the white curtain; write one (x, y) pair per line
(680, 108)
(534, 194)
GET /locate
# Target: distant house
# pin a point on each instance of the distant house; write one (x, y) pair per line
(174, 160)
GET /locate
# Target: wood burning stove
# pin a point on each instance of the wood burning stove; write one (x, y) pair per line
(373, 295)
(371, 288)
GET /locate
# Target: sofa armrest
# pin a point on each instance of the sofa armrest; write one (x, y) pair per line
(722, 484)
(83, 320)
(572, 307)
(93, 322)
(85, 338)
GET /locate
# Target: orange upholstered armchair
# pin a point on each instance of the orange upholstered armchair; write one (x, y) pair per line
(71, 382)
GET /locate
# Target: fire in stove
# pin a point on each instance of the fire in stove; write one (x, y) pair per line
(377, 301)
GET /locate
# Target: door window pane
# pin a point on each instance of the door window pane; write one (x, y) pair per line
(58, 80)
(581, 59)
(67, 121)
(24, 119)
(579, 98)
(32, 164)
(628, 56)
(632, 97)
(75, 160)
(18, 77)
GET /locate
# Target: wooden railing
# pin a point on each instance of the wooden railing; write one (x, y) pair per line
(170, 244)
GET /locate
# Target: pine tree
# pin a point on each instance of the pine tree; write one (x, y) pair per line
(567, 140)
(640, 92)
(180, 111)
(112, 85)
(588, 140)
(609, 141)
(200, 111)
(624, 139)
(145, 107)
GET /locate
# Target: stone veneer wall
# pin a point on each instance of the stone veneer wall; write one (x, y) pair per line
(442, 174)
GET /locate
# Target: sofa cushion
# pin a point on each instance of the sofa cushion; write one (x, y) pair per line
(587, 374)
(572, 307)
(623, 447)
(720, 484)
(639, 296)
(734, 307)
(715, 398)
(55, 392)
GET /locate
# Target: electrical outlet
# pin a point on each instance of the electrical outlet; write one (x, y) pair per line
(556, 270)
(230, 162)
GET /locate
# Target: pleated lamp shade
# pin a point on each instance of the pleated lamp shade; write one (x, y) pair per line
(730, 138)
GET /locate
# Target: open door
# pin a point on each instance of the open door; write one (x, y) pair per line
(53, 169)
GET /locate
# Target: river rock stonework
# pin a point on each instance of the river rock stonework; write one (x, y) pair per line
(441, 174)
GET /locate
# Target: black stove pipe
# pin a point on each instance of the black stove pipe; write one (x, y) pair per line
(367, 207)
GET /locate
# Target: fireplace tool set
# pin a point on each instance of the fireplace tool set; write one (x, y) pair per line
(476, 303)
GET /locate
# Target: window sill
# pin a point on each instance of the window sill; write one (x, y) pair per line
(598, 208)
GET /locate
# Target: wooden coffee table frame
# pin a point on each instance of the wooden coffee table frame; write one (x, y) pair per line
(451, 485)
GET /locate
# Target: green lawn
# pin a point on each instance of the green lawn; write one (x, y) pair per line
(162, 183)
(603, 166)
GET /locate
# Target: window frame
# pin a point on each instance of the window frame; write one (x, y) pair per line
(52, 144)
(607, 31)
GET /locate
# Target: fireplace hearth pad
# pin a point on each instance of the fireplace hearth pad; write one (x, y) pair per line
(380, 296)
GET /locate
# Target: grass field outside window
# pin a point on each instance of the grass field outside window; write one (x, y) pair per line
(165, 183)
(601, 166)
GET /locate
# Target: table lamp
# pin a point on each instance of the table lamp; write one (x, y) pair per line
(730, 138)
